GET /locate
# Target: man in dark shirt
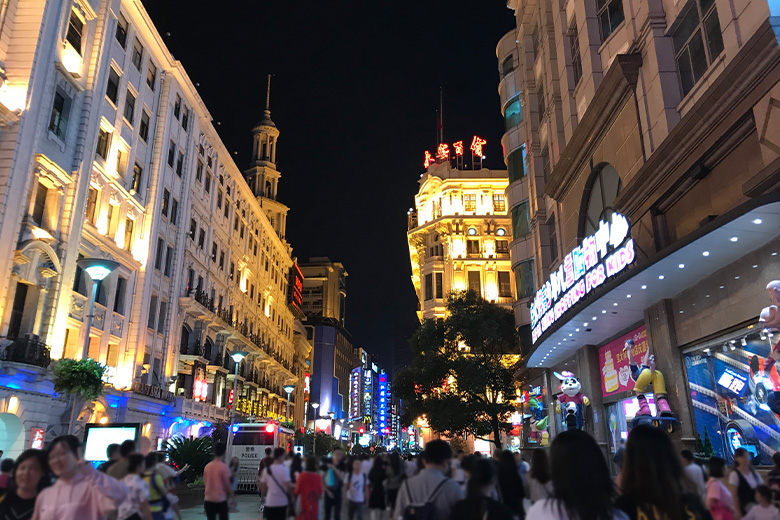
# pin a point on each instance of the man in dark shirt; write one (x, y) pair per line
(267, 461)
(112, 451)
(118, 469)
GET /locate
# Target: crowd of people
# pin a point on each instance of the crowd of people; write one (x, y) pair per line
(574, 482)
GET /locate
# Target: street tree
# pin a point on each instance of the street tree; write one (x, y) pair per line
(461, 378)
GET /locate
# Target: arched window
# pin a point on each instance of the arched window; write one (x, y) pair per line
(184, 344)
(600, 193)
(268, 189)
(209, 350)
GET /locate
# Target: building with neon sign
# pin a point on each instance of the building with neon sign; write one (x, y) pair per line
(652, 211)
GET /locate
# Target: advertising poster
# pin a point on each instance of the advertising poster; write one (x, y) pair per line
(613, 361)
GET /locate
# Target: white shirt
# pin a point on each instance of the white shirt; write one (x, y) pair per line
(535, 490)
(356, 487)
(763, 513)
(365, 466)
(458, 475)
(277, 493)
(138, 493)
(549, 510)
(696, 474)
(754, 479)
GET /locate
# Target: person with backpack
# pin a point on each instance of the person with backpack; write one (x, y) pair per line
(743, 481)
(357, 487)
(395, 477)
(429, 495)
(333, 477)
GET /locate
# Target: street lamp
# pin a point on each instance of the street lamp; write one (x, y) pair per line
(314, 447)
(97, 269)
(238, 356)
(289, 389)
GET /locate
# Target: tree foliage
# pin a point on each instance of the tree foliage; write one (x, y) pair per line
(82, 378)
(197, 452)
(461, 376)
(325, 443)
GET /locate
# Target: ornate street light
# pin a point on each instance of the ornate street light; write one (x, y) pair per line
(238, 356)
(314, 406)
(289, 389)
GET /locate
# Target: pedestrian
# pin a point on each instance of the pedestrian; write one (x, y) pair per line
(30, 476)
(430, 485)
(411, 466)
(694, 472)
(234, 466)
(743, 481)
(216, 478)
(264, 463)
(136, 505)
(466, 464)
(773, 477)
(538, 484)
(296, 468)
(479, 504)
(162, 502)
(309, 488)
(80, 492)
(335, 471)
(276, 487)
(395, 477)
(522, 465)
(6, 469)
(356, 483)
(654, 483)
(764, 508)
(376, 485)
(366, 463)
(112, 452)
(719, 500)
(582, 484)
(118, 469)
(510, 485)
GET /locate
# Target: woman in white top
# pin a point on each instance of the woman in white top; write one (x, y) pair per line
(537, 480)
(582, 486)
(719, 500)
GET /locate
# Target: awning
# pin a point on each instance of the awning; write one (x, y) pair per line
(621, 302)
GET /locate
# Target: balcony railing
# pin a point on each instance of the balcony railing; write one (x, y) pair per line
(29, 350)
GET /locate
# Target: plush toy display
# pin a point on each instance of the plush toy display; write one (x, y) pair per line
(644, 376)
(770, 320)
(539, 434)
(572, 399)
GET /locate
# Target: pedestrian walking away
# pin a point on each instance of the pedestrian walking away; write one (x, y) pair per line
(308, 490)
(275, 483)
(356, 482)
(478, 504)
(219, 491)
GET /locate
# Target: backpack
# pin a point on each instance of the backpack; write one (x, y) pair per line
(424, 511)
(330, 478)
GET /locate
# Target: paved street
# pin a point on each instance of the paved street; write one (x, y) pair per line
(247, 507)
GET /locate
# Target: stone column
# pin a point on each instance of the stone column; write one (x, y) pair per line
(590, 375)
(662, 341)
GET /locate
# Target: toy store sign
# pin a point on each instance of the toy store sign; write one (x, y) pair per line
(600, 256)
(613, 362)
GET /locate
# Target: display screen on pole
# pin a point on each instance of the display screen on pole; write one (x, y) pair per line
(98, 437)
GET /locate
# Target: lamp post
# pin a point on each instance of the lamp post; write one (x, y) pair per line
(238, 356)
(314, 447)
(289, 389)
(97, 269)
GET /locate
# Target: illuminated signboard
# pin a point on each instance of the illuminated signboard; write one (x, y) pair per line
(733, 381)
(354, 393)
(382, 404)
(602, 255)
(443, 151)
(36, 438)
(476, 146)
(368, 387)
(306, 383)
(295, 289)
(200, 390)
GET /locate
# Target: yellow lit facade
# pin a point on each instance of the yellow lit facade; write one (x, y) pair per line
(459, 235)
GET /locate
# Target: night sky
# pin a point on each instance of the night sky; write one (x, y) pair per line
(354, 96)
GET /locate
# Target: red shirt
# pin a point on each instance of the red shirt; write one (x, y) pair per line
(216, 477)
(309, 486)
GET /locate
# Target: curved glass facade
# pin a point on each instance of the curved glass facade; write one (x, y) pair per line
(516, 164)
(525, 280)
(521, 217)
(513, 115)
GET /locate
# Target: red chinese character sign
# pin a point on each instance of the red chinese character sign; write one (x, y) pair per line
(443, 152)
(476, 146)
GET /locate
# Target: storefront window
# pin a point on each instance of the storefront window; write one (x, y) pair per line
(733, 389)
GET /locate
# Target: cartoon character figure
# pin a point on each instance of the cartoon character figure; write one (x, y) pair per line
(571, 393)
(538, 433)
(644, 376)
(770, 319)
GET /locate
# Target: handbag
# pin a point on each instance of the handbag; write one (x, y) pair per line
(721, 511)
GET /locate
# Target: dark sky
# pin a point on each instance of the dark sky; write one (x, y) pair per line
(354, 96)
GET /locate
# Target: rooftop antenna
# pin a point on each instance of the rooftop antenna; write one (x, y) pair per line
(268, 95)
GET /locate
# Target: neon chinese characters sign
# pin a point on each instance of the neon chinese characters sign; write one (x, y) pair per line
(602, 255)
(476, 145)
(354, 393)
(382, 404)
(443, 151)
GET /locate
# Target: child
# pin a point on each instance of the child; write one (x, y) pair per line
(136, 505)
(765, 510)
(356, 490)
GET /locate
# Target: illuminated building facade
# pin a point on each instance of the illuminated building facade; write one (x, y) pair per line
(109, 152)
(459, 234)
(650, 132)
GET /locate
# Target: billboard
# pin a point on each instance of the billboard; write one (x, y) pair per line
(354, 393)
(382, 404)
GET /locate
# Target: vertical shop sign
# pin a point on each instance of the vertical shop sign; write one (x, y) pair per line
(613, 362)
(354, 393)
(383, 404)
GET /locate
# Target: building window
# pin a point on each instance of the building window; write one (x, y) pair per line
(502, 246)
(474, 280)
(171, 153)
(112, 89)
(174, 211)
(545, 157)
(513, 115)
(541, 105)
(158, 254)
(185, 118)
(161, 321)
(610, 14)
(129, 225)
(138, 54)
(576, 59)
(601, 191)
(207, 185)
(221, 260)
(166, 201)
(508, 65)
(151, 75)
(226, 212)
(219, 199)
(39, 206)
(104, 139)
(152, 312)
(143, 128)
(138, 173)
(504, 284)
(470, 202)
(214, 252)
(75, 31)
(113, 221)
(177, 107)
(121, 30)
(168, 260)
(439, 285)
(193, 229)
(551, 229)
(499, 203)
(180, 163)
(521, 220)
(201, 238)
(516, 164)
(119, 295)
(92, 205)
(697, 41)
(524, 279)
(130, 107)
(199, 172)
(58, 122)
(535, 42)
(472, 247)
(428, 287)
